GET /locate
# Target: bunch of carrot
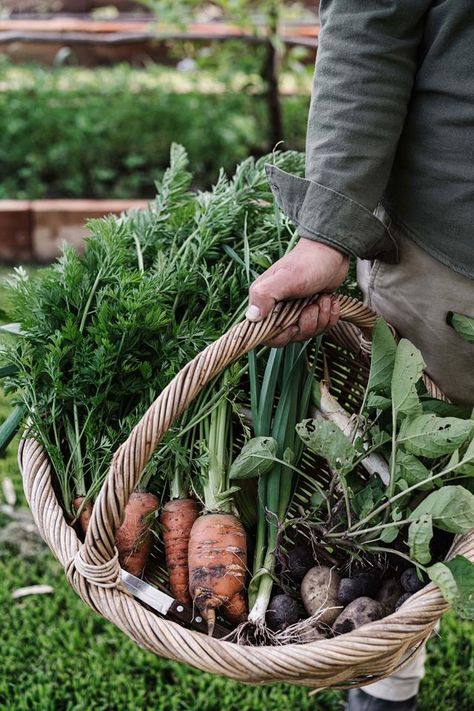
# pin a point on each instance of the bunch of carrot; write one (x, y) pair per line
(206, 550)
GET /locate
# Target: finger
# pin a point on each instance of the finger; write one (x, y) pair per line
(308, 323)
(324, 303)
(335, 313)
(278, 283)
(288, 335)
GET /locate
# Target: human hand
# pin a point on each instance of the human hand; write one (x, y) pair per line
(310, 268)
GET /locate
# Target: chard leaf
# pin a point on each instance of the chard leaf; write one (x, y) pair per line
(389, 534)
(326, 439)
(431, 436)
(256, 458)
(420, 534)
(462, 571)
(411, 470)
(455, 579)
(440, 574)
(407, 371)
(384, 348)
(378, 402)
(464, 325)
(451, 509)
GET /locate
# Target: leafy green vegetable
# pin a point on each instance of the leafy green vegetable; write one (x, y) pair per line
(420, 534)
(455, 579)
(431, 436)
(256, 458)
(384, 348)
(451, 509)
(327, 440)
(464, 325)
(407, 370)
(412, 470)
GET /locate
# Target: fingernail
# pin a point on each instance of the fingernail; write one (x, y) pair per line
(253, 313)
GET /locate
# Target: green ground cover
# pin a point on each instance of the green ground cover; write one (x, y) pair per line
(104, 133)
(56, 654)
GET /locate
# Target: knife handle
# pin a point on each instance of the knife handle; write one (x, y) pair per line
(187, 616)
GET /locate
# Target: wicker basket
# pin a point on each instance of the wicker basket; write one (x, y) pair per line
(365, 655)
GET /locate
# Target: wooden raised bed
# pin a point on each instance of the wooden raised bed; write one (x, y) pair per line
(33, 231)
(104, 42)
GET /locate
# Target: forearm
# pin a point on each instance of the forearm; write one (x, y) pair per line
(366, 65)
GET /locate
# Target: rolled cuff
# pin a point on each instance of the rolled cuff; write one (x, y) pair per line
(329, 217)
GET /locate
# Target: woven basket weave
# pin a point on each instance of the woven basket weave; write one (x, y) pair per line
(365, 655)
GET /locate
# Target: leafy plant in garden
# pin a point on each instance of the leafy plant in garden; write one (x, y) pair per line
(105, 133)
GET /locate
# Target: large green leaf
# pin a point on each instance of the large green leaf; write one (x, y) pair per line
(409, 468)
(462, 571)
(407, 371)
(451, 508)
(384, 348)
(326, 439)
(420, 534)
(256, 458)
(455, 579)
(431, 436)
(464, 325)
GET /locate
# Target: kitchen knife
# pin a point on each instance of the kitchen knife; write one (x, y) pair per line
(167, 605)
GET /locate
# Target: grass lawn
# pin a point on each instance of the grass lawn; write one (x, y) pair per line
(56, 654)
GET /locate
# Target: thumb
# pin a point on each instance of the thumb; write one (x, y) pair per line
(269, 288)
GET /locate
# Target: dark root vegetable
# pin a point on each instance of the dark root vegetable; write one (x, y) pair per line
(410, 581)
(403, 598)
(282, 612)
(362, 585)
(389, 594)
(298, 562)
(359, 612)
(134, 539)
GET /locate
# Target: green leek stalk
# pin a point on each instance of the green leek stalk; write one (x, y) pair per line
(289, 368)
(216, 432)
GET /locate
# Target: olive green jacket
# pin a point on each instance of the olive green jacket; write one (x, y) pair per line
(391, 122)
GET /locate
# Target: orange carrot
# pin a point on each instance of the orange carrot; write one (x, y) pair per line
(177, 519)
(236, 610)
(217, 559)
(86, 512)
(134, 539)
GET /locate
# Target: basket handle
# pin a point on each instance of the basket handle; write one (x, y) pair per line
(132, 456)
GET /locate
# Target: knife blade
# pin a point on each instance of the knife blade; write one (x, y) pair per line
(167, 605)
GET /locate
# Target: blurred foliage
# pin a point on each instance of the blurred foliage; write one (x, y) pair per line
(105, 133)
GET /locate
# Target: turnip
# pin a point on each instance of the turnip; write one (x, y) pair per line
(359, 612)
(389, 594)
(362, 585)
(298, 561)
(410, 581)
(401, 600)
(319, 594)
(282, 612)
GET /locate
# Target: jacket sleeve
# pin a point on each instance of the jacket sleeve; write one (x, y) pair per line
(365, 71)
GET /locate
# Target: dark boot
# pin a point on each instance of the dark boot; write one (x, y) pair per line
(358, 700)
